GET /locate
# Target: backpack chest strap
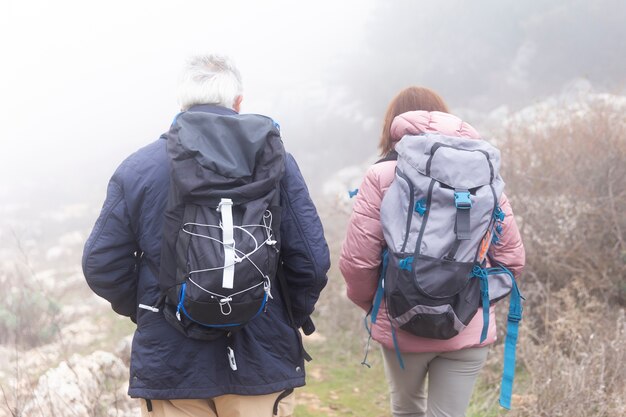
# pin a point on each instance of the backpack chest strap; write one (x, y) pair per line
(463, 204)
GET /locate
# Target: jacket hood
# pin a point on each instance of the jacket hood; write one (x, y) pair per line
(224, 154)
(417, 122)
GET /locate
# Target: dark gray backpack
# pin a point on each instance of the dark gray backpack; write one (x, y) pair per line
(221, 241)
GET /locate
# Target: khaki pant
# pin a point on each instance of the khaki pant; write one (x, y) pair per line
(451, 377)
(222, 406)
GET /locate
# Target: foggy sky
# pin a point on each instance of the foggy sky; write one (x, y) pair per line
(85, 83)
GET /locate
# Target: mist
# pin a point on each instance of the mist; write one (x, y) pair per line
(84, 84)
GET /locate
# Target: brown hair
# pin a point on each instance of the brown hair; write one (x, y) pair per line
(409, 99)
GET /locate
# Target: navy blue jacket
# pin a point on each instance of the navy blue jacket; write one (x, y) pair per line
(126, 239)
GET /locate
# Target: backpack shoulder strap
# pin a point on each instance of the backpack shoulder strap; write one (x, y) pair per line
(391, 156)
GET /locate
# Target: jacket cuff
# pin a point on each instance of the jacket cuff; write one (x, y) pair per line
(308, 327)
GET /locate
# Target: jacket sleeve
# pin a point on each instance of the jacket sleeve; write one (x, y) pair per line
(304, 249)
(509, 249)
(360, 257)
(111, 253)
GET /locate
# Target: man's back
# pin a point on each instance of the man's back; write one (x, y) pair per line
(120, 262)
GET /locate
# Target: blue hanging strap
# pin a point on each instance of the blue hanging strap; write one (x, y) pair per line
(373, 313)
(181, 300)
(367, 344)
(510, 343)
(482, 275)
(498, 216)
(378, 298)
(396, 346)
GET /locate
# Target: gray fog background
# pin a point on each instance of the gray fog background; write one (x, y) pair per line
(85, 83)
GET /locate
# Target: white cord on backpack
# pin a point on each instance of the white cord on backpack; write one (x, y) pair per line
(232, 255)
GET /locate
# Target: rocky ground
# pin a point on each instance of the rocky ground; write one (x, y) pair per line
(82, 371)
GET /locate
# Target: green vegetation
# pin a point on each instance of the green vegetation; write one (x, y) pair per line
(28, 315)
(341, 386)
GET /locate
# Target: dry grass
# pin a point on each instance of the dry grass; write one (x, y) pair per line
(567, 182)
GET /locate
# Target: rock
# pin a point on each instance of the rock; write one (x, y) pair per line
(122, 350)
(83, 386)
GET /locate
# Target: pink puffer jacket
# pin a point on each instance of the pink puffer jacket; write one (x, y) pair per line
(361, 251)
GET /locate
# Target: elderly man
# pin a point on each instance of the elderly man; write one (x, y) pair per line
(199, 353)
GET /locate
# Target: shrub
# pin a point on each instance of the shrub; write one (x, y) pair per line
(565, 174)
(28, 316)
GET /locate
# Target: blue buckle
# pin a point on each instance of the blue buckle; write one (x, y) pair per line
(515, 313)
(514, 317)
(498, 214)
(420, 207)
(462, 200)
(406, 263)
(479, 272)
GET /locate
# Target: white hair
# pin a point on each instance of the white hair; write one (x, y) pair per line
(209, 79)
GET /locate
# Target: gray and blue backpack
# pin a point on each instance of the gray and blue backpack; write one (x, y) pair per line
(439, 217)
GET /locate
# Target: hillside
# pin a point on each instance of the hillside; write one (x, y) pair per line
(64, 352)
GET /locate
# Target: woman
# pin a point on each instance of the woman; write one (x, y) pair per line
(452, 365)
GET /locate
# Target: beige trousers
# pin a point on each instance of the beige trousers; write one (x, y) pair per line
(222, 406)
(451, 377)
